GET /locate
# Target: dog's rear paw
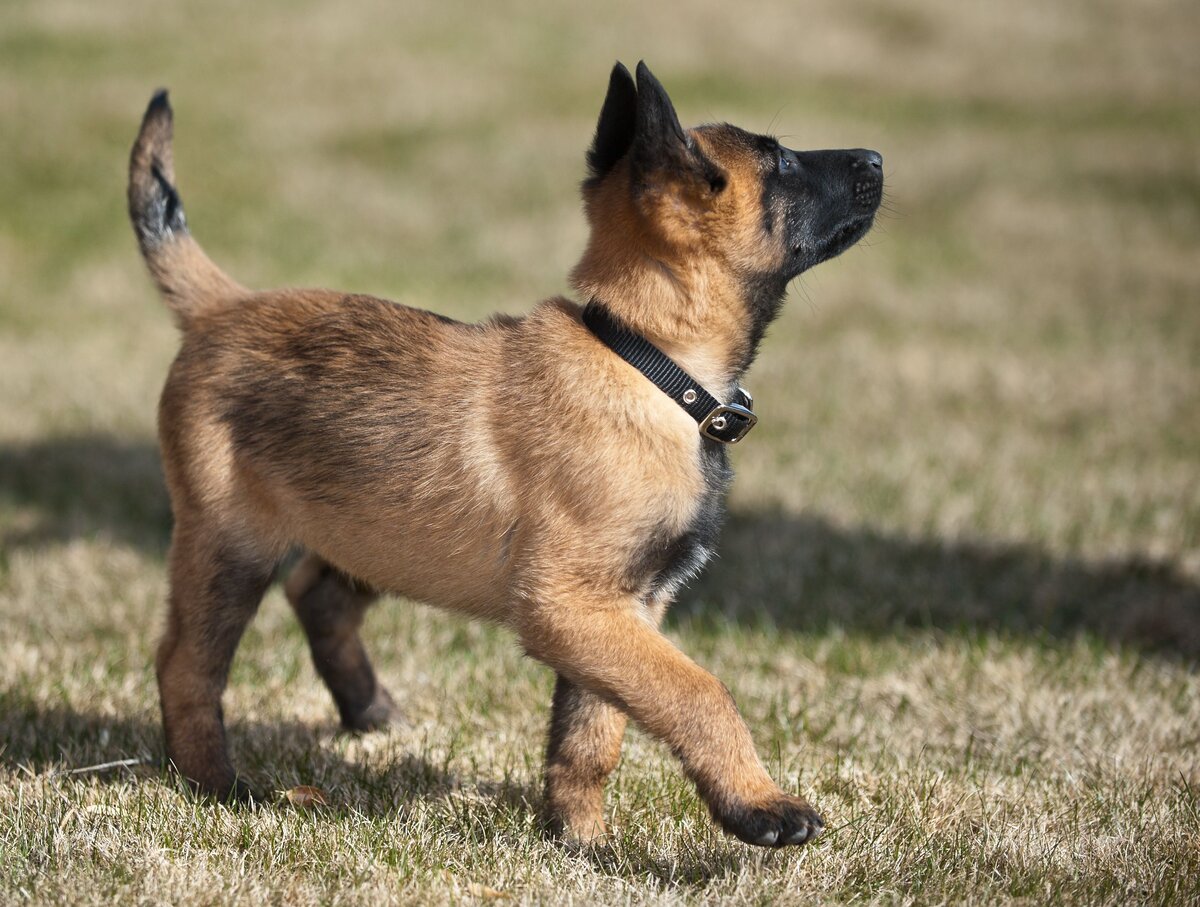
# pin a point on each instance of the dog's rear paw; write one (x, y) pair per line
(382, 713)
(225, 791)
(575, 827)
(784, 821)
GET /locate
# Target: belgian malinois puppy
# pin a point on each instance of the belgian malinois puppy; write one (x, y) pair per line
(561, 473)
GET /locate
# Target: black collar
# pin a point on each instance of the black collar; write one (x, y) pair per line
(727, 423)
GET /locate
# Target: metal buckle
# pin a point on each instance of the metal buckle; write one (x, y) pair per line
(718, 420)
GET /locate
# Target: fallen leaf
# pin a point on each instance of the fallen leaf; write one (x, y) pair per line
(306, 796)
(483, 891)
(475, 889)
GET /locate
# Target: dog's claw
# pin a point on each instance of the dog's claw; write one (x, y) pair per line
(800, 836)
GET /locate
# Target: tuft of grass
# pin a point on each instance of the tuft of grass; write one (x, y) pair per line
(958, 597)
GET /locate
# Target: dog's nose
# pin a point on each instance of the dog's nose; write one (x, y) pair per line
(865, 158)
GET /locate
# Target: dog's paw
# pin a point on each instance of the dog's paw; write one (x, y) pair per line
(241, 793)
(580, 828)
(382, 713)
(223, 791)
(780, 822)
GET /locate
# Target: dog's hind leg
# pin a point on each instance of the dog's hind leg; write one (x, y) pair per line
(584, 746)
(331, 607)
(216, 586)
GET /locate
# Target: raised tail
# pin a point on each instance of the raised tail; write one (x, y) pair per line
(188, 279)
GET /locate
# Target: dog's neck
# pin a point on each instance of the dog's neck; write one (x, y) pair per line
(708, 322)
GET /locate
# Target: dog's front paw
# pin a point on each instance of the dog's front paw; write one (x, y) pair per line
(779, 822)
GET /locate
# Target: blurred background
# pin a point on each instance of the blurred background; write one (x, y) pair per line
(987, 413)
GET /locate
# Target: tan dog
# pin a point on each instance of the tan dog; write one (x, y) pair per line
(519, 470)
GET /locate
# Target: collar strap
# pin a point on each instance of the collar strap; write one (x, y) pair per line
(726, 423)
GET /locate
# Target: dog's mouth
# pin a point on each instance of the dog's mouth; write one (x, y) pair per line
(839, 239)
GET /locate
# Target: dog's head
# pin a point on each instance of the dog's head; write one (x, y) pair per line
(719, 200)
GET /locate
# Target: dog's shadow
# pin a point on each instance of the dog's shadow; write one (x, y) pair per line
(793, 573)
(61, 743)
(790, 573)
(805, 574)
(83, 486)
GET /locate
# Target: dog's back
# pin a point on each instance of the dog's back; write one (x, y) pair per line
(345, 423)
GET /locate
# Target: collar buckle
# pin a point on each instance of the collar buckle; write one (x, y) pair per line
(728, 423)
(725, 423)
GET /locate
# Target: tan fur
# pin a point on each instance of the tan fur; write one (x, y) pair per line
(511, 470)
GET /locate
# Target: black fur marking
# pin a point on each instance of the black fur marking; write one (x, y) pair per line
(166, 204)
(764, 296)
(160, 103)
(154, 204)
(640, 120)
(660, 143)
(667, 562)
(708, 170)
(159, 212)
(825, 203)
(615, 128)
(658, 125)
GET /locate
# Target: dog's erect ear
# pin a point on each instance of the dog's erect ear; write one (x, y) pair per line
(660, 144)
(658, 129)
(618, 119)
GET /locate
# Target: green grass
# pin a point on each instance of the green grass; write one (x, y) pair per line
(958, 597)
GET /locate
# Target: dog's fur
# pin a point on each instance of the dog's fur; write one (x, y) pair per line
(515, 470)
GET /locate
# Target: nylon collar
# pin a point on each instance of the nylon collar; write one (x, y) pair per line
(726, 423)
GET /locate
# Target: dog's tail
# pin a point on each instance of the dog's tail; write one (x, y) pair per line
(187, 277)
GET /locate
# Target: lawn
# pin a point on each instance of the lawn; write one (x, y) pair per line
(958, 597)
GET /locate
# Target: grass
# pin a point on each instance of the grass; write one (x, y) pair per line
(959, 592)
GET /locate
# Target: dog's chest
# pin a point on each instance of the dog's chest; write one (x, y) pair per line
(670, 556)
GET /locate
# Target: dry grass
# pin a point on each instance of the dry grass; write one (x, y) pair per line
(959, 597)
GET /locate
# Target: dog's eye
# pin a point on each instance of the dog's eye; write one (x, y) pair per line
(786, 162)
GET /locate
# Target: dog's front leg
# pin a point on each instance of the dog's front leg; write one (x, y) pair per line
(616, 654)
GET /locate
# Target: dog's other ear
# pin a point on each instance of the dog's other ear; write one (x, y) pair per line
(660, 144)
(614, 130)
(660, 140)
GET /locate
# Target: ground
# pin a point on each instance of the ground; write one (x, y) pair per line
(958, 598)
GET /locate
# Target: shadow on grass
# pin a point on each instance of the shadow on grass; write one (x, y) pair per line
(795, 573)
(692, 868)
(92, 745)
(55, 741)
(802, 573)
(83, 486)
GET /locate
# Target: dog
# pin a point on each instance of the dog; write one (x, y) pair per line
(561, 473)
